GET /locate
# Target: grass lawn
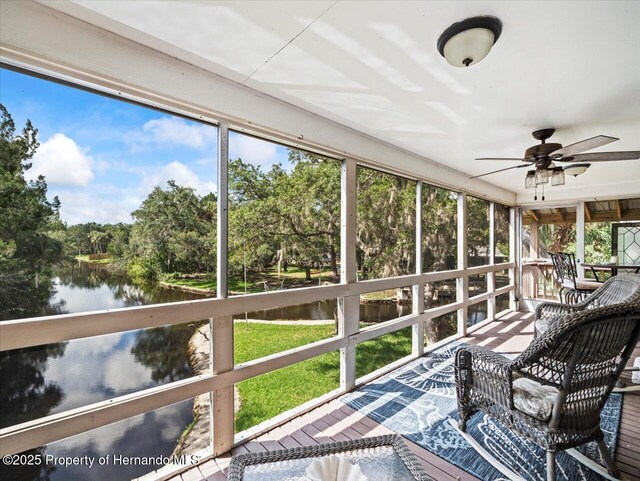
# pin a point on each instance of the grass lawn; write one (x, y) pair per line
(268, 395)
(294, 277)
(376, 353)
(85, 258)
(235, 285)
(380, 295)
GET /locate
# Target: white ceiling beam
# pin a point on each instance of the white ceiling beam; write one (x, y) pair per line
(37, 36)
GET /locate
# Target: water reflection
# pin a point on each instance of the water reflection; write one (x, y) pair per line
(148, 435)
(24, 395)
(83, 287)
(164, 351)
(45, 380)
(323, 310)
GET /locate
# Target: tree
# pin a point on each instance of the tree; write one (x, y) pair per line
(280, 216)
(250, 217)
(502, 226)
(310, 210)
(386, 223)
(26, 255)
(439, 247)
(118, 239)
(597, 240)
(557, 237)
(283, 217)
(98, 240)
(78, 237)
(172, 230)
(26, 250)
(439, 228)
(477, 231)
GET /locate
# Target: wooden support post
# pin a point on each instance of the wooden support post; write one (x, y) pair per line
(491, 276)
(515, 243)
(580, 238)
(221, 328)
(349, 306)
(462, 283)
(534, 271)
(587, 212)
(533, 240)
(417, 338)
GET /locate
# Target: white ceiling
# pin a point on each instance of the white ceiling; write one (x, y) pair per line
(373, 66)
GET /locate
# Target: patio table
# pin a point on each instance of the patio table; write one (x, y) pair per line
(607, 266)
(380, 458)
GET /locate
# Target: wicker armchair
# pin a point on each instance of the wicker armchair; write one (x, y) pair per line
(622, 288)
(572, 289)
(554, 391)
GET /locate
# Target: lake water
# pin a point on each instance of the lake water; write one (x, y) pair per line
(56, 378)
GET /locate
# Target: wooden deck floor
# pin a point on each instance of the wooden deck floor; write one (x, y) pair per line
(334, 421)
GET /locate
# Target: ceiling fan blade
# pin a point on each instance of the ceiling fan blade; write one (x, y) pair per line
(583, 146)
(602, 156)
(501, 158)
(501, 170)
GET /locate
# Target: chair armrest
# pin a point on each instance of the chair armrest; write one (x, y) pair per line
(550, 310)
(480, 369)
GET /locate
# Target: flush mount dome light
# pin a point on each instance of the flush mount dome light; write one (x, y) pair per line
(467, 42)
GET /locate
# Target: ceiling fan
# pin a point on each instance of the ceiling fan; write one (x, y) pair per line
(545, 155)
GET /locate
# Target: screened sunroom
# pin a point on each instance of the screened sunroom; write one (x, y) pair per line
(232, 232)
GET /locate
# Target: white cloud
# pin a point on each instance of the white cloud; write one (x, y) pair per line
(107, 203)
(111, 364)
(254, 151)
(97, 205)
(62, 161)
(182, 175)
(172, 130)
(123, 375)
(207, 161)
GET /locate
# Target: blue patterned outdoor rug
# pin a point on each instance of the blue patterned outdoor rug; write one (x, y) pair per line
(417, 401)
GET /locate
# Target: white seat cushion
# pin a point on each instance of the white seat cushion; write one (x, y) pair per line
(533, 398)
(541, 326)
(588, 284)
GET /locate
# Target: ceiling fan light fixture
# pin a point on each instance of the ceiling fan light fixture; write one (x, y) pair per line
(545, 156)
(576, 169)
(467, 42)
(557, 176)
(530, 180)
(542, 176)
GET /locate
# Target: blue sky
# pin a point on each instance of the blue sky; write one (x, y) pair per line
(102, 157)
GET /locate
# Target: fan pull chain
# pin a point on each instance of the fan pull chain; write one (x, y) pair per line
(542, 192)
(535, 192)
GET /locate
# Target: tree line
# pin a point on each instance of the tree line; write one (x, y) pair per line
(278, 217)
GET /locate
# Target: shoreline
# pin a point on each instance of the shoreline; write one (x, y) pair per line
(195, 436)
(212, 292)
(194, 290)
